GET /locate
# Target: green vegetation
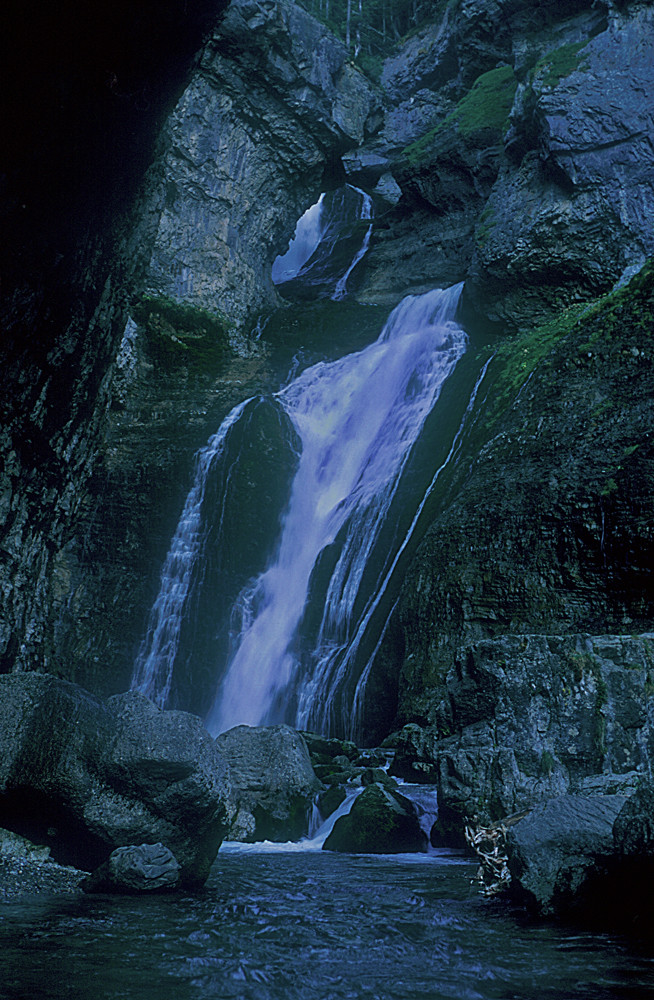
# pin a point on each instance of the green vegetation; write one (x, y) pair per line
(632, 303)
(484, 226)
(488, 102)
(602, 319)
(178, 335)
(547, 762)
(372, 29)
(486, 106)
(558, 64)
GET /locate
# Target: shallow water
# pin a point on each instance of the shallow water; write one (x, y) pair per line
(298, 925)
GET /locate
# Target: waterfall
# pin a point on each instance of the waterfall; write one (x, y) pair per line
(330, 240)
(308, 233)
(153, 670)
(357, 420)
(366, 213)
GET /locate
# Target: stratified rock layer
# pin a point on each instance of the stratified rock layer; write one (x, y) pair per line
(538, 716)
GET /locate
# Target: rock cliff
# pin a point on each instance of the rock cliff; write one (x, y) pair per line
(509, 145)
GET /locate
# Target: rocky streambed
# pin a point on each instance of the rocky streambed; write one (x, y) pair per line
(145, 798)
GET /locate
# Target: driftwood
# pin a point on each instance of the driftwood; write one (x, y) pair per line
(489, 844)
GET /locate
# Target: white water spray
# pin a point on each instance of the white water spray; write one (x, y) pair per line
(153, 670)
(358, 419)
(308, 234)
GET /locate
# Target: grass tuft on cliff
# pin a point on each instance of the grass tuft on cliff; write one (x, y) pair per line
(556, 65)
(485, 107)
(179, 335)
(602, 320)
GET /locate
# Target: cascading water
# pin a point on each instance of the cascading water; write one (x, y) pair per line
(330, 240)
(300, 640)
(357, 419)
(308, 234)
(153, 670)
(298, 626)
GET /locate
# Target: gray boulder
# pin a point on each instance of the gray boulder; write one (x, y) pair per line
(559, 852)
(149, 868)
(633, 831)
(85, 777)
(273, 783)
(381, 821)
(534, 717)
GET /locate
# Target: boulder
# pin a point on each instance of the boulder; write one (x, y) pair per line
(149, 868)
(533, 717)
(84, 776)
(633, 830)
(381, 821)
(273, 783)
(558, 854)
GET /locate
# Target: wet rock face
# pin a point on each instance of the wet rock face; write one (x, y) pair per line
(547, 530)
(273, 103)
(538, 200)
(575, 207)
(537, 716)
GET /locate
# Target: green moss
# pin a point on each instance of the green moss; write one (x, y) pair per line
(560, 63)
(178, 335)
(601, 320)
(610, 486)
(484, 226)
(486, 106)
(547, 762)
(488, 103)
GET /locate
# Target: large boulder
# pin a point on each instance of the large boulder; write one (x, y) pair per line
(381, 821)
(272, 782)
(559, 852)
(85, 776)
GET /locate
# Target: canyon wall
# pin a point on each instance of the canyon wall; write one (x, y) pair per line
(507, 144)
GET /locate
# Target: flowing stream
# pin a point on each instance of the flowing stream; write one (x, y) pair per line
(274, 924)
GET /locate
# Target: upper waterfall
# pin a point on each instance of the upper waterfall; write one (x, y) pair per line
(330, 240)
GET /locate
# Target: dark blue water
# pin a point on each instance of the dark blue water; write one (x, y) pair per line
(309, 926)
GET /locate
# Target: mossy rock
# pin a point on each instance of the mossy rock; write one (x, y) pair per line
(485, 108)
(329, 801)
(380, 822)
(178, 335)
